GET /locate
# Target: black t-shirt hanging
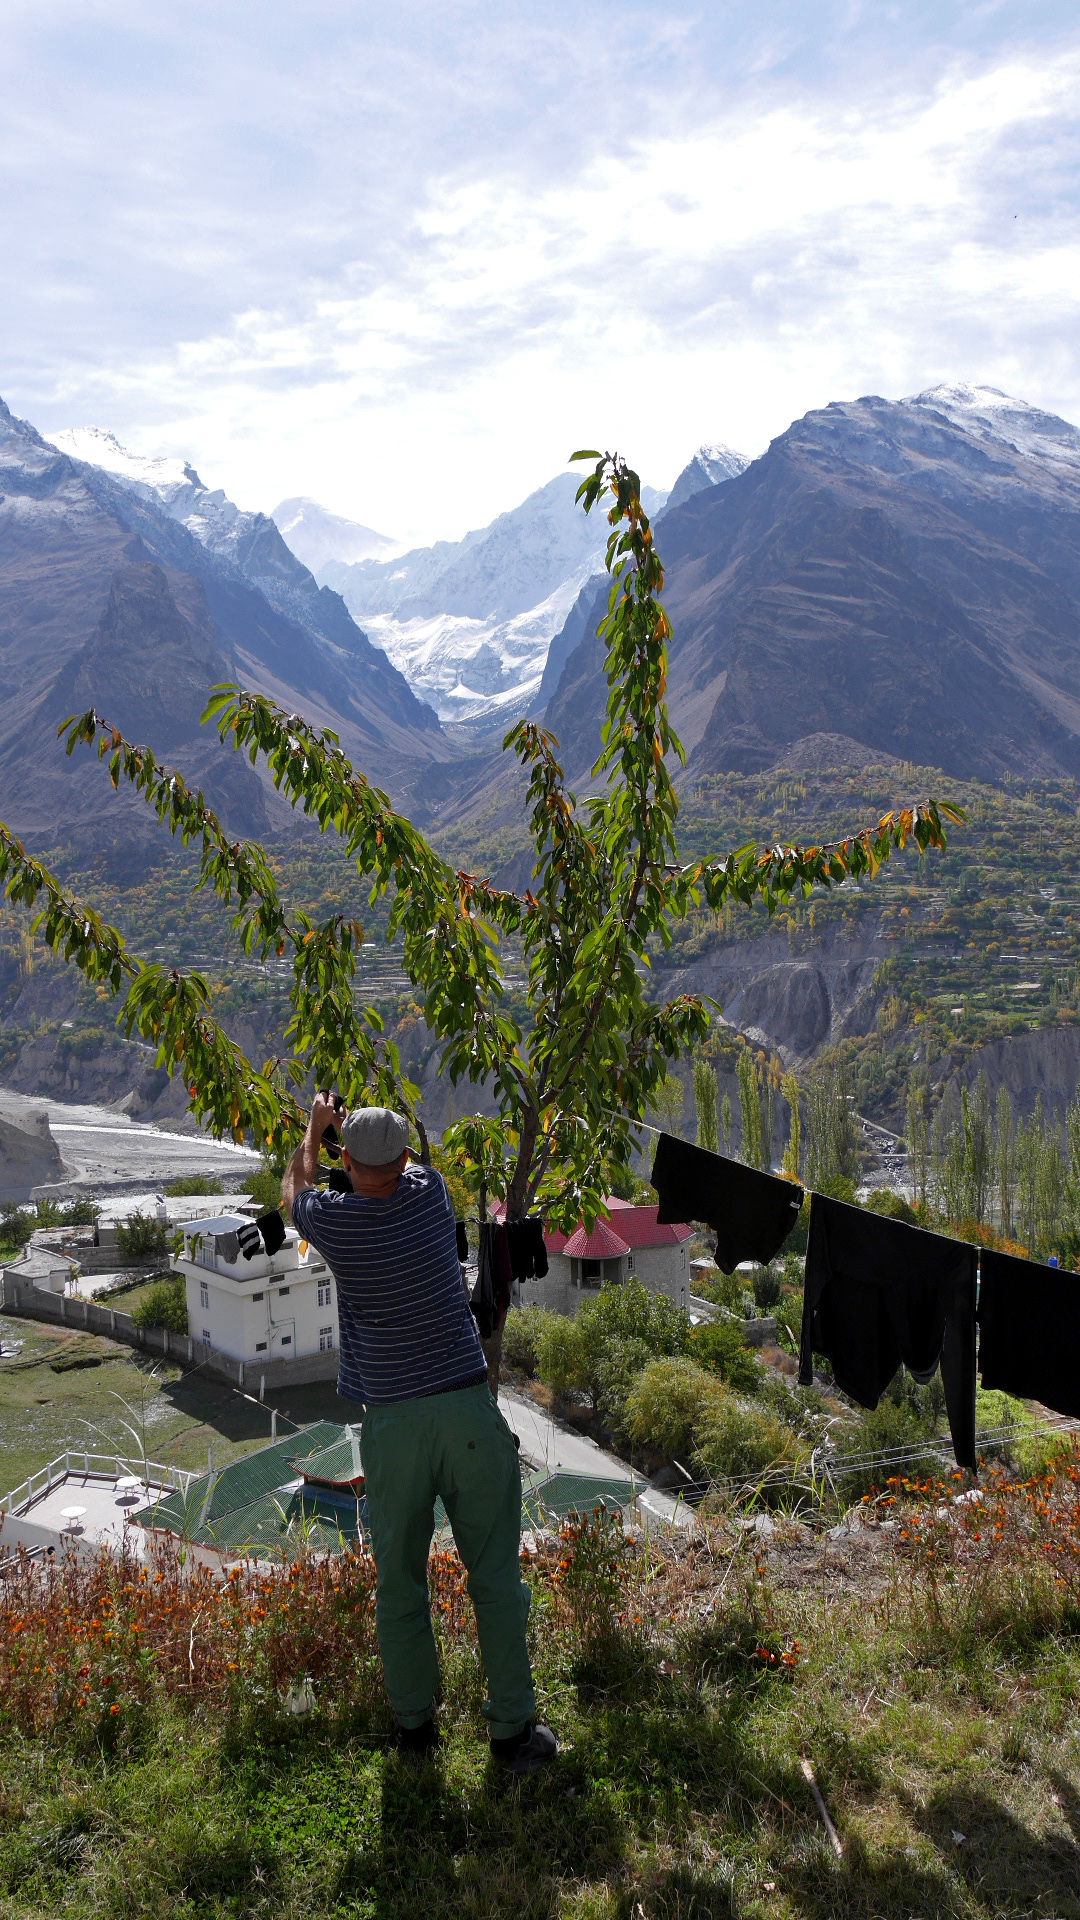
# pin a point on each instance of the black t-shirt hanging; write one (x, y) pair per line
(751, 1213)
(881, 1294)
(1029, 1331)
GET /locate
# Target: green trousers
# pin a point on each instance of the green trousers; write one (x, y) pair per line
(456, 1445)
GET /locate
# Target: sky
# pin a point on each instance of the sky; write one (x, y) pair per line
(404, 259)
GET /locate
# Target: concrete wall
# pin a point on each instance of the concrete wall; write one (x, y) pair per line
(34, 1303)
(663, 1270)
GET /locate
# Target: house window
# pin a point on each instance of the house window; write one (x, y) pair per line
(256, 1297)
(286, 1339)
(324, 1295)
(282, 1292)
(592, 1273)
(260, 1346)
(629, 1263)
(204, 1294)
(326, 1339)
(206, 1335)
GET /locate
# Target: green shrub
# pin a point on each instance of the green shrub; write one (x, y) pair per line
(623, 1359)
(15, 1226)
(738, 1438)
(141, 1238)
(79, 1213)
(893, 1205)
(561, 1358)
(191, 1185)
(667, 1406)
(164, 1305)
(721, 1349)
(890, 1425)
(265, 1187)
(725, 1290)
(768, 1286)
(47, 1212)
(521, 1336)
(1030, 1451)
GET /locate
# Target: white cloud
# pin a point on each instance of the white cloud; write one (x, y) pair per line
(418, 332)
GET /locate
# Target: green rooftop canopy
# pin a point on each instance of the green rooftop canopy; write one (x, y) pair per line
(339, 1465)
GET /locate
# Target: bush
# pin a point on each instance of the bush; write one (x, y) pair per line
(191, 1185)
(265, 1188)
(15, 1226)
(1029, 1451)
(893, 1205)
(79, 1213)
(891, 1425)
(721, 1349)
(667, 1406)
(737, 1438)
(141, 1238)
(561, 1358)
(164, 1305)
(768, 1287)
(624, 1358)
(521, 1336)
(724, 1291)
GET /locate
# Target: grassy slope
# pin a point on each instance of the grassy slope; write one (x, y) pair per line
(949, 1759)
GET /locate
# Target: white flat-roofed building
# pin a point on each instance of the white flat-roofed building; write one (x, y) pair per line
(85, 1501)
(272, 1307)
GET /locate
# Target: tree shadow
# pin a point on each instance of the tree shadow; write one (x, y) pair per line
(1010, 1868)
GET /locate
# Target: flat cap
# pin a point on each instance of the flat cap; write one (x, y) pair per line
(375, 1135)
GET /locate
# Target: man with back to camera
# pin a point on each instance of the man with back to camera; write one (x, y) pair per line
(410, 1351)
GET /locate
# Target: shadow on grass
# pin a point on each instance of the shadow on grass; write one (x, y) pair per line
(991, 1865)
(197, 1397)
(1006, 1866)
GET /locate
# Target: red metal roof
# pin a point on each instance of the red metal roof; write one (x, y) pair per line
(600, 1244)
(632, 1227)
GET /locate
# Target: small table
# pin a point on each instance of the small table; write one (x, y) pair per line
(128, 1490)
(72, 1515)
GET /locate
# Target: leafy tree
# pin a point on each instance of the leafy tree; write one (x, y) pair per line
(573, 1077)
(164, 1305)
(719, 1347)
(831, 1144)
(141, 1237)
(668, 1404)
(668, 1102)
(754, 1145)
(789, 1087)
(706, 1096)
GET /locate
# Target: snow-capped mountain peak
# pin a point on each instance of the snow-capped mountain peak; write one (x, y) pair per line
(710, 465)
(166, 477)
(318, 536)
(992, 415)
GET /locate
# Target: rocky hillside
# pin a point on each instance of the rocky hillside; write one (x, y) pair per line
(890, 579)
(135, 591)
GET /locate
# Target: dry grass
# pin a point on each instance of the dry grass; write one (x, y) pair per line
(925, 1659)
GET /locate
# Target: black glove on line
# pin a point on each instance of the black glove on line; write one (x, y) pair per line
(462, 1241)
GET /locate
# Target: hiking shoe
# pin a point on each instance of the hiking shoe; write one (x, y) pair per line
(422, 1739)
(527, 1751)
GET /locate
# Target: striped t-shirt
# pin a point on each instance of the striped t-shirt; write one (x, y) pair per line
(404, 1323)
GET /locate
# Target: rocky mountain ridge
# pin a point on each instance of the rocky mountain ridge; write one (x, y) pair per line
(889, 579)
(135, 592)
